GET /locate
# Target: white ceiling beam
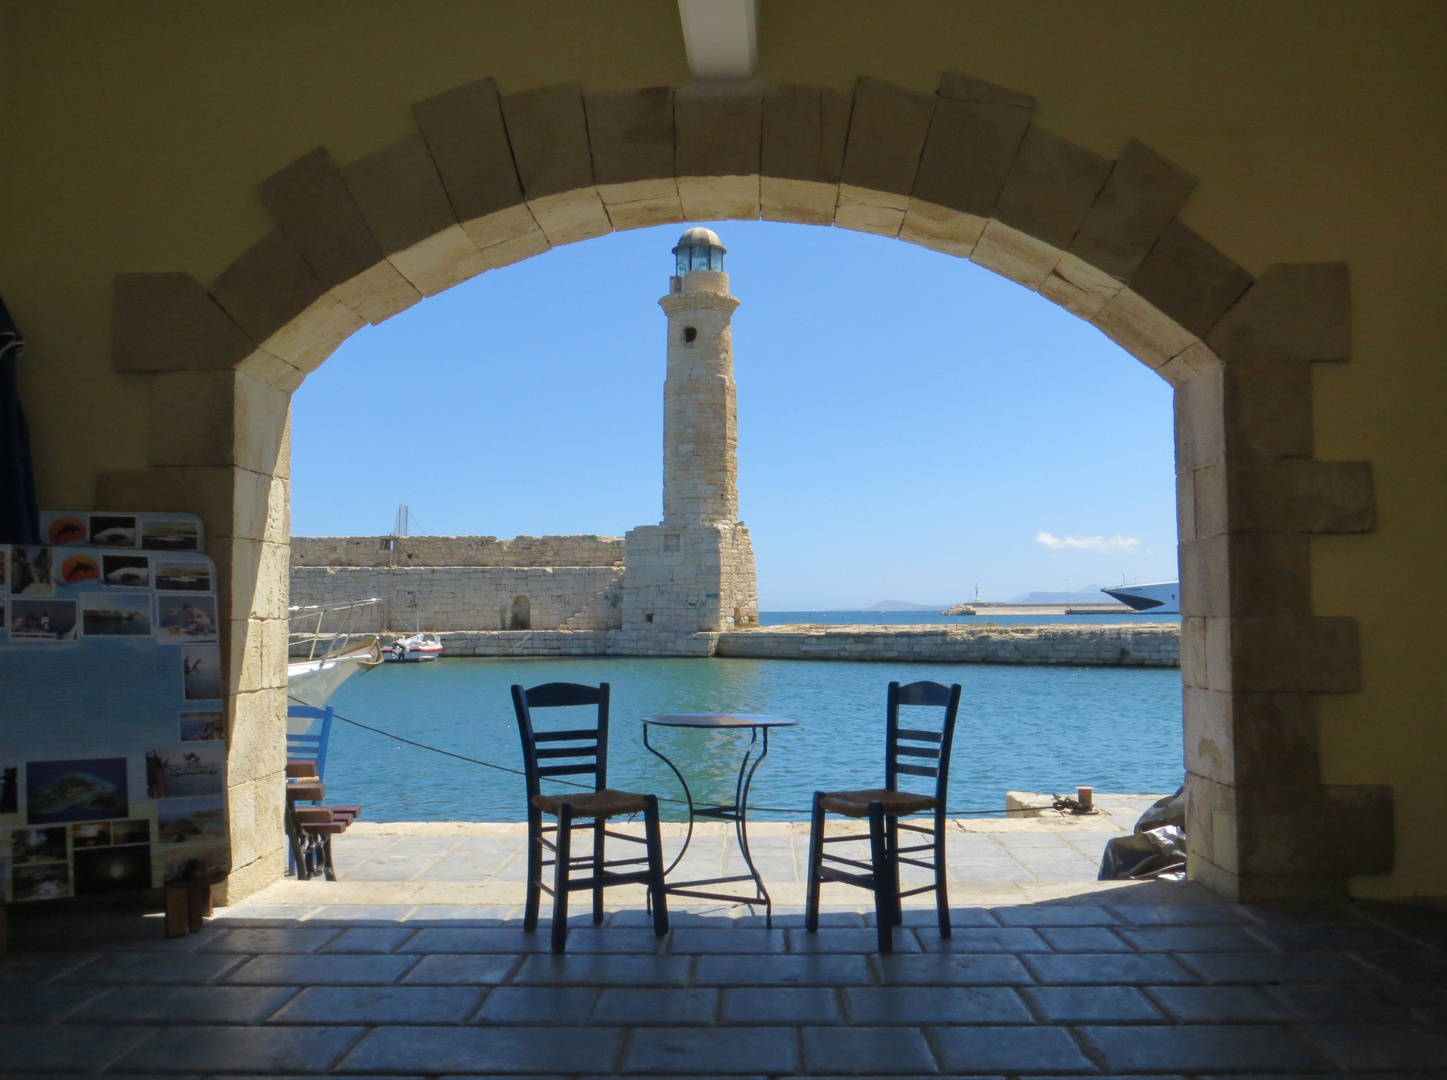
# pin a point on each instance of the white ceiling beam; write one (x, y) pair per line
(720, 37)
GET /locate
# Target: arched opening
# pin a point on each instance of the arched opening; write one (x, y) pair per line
(521, 615)
(964, 171)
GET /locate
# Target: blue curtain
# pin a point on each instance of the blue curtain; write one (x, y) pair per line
(19, 514)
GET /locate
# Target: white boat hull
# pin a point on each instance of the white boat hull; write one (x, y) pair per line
(312, 682)
(1162, 598)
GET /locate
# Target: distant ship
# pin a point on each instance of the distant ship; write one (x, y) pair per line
(1163, 598)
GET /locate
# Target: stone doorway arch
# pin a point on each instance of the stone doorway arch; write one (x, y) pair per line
(488, 179)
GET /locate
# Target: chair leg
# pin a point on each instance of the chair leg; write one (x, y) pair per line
(883, 877)
(535, 870)
(598, 837)
(815, 867)
(560, 877)
(942, 891)
(656, 886)
(892, 833)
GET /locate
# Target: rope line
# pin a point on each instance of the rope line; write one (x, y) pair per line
(1056, 805)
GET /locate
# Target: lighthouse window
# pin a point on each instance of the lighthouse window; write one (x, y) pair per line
(690, 334)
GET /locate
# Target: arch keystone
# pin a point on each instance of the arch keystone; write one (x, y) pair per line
(717, 130)
(802, 152)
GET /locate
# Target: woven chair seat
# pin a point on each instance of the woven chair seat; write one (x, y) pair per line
(593, 804)
(896, 803)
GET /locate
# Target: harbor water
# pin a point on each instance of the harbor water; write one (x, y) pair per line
(1020, 728)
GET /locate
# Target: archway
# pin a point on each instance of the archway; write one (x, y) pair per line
(487, 180)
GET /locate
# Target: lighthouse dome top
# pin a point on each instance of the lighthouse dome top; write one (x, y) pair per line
(699, 249)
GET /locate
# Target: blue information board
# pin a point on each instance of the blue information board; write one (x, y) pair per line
(112, 710)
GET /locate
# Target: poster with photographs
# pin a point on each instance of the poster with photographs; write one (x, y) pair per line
(113, 723)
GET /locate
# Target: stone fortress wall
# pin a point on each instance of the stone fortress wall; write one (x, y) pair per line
(388, 551)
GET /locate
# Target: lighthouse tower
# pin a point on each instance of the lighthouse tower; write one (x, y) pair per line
(695, 570)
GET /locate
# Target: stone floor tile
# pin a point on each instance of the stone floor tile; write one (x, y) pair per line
(239, 1049)
(1182, 914)
(460, 969)
(40, 967)
(528, 1005)
(1414, 966)
(1190, 939)
(1089, 939)
(310, 970)
(1334, 1004)
(368, 939)
(255, 939)
(247, 914)
(818, 970)
(44, 1004)
(380, 1005)
(1221, 1005)
(484, 1049)
(843, 940)
(1008, 1050)
(737, 940)
(1103, 969)
(188, 1005)
(1336, 937)
(606, 939)
(984, 939)
(461, 915)
(1263, 967)
(1092, 1004)
(1367, 1047)
(638, 1007)
(359, 915)
(936, 1005)
(693, 1051)
(786, 919)
(953, 969)
(154, 968)
(83, 1048)
(879, 1051)
(1055, 915)
(1204, 1047)
(811, 1005)
(474, 939)
(605, 969)
(388, 867)
(678, 919)
(960, 917)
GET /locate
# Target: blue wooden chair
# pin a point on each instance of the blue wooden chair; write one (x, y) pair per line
(311, 747)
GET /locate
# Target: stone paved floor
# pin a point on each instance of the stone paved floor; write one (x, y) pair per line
(408, 972)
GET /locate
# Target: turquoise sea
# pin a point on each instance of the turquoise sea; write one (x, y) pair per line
(1026, 728)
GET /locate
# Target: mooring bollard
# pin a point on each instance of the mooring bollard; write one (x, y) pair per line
(1085, 796)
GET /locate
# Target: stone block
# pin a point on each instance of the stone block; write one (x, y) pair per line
(168, 322)
(717, 131)
(951, 232)
(1319, 832)
(1267, 409)
(869, 210)
(629, 209)
(311, 204)
(273, 370)
(1200, 432)
(1141, 329)
(1188, 280)
(441, 261)
(548, 131)
(205, 491)
(279, 303)
(804, 129)
(1295, 311)
(468, 141)
(191, 418)
(631, 135)
(256, 749)
(1015, 255)
(1292, 654)
(1078, 287)
(887, 130)
(261, 415)
(1192, 362)
(1246, 574)
(1252, 740)
(1141, 197)
(974, 135)
(508, 236)
(719, 198)
(1051, 184)
(1288, 495)
(252, 493)
(1211, 834)
(1186, 506)
(570, 216)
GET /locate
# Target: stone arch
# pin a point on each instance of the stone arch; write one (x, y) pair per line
(488, 179)
(520, 616)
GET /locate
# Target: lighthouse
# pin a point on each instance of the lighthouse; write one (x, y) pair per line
(694, 571)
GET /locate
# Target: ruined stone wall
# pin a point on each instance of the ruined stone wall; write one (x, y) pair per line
(582, 550)
(456, 597)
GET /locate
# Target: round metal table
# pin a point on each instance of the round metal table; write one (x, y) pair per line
(737, 812)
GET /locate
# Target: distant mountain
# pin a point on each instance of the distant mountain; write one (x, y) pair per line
(901, 605)
(1086, 594)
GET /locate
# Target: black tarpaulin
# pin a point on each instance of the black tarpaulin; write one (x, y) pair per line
(19, 512)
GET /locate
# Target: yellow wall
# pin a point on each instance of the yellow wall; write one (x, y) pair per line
(132, 135)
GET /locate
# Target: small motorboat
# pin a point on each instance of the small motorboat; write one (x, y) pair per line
(413, 649)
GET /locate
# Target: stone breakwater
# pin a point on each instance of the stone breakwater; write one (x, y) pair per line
(1060, 644)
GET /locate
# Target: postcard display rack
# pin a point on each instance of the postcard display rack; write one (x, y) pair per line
(112, 714)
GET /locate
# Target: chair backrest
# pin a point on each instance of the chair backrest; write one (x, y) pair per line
(569, 751)
(925, 750)
(313, 745)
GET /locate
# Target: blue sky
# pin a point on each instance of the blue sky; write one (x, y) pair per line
(910, 425)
